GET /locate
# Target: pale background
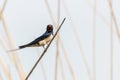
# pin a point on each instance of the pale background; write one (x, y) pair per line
(27, 20)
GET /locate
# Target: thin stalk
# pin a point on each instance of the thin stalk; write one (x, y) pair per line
(42, 68)
(3, 43)
(1, 78)
(67, 59)
(14, 57)
(94, 41)
(57, 42)
(3, 7)
(111, 42)
(56, 62)
(62, 71)
(114, 18)
(5, 68)
(50, 12)
(44, 51)
(78, 40)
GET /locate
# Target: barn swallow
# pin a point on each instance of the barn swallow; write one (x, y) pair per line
(42, 40)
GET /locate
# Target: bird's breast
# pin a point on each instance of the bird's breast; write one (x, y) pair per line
(46, 40)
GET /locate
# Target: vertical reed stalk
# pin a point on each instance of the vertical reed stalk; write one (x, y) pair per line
(94, 40)
(50, 12)
(5, 68)
(112, 17)
(62, 71)
(78, 40)
(57, 42)
(3, 7)
(67, 59)
(11, 42)
(1, 78)
(14, 57)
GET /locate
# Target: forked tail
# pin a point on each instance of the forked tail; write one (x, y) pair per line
(20, 47)
(23, 46)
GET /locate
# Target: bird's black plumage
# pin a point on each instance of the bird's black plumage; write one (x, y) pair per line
(48, 32)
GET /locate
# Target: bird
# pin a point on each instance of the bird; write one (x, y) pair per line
(42, 40)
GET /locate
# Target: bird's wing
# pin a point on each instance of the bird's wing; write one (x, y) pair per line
(45, 35)
(36, 41)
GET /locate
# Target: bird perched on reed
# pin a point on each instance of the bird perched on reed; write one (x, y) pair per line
(42, 40)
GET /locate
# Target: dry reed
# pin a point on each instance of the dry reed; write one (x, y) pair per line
(94, 40)
(44, 51)
(62, 71)
(42, 67)
(112, 17)
(78, 40)
(10, 39)
(57, 42)
(5, 68)
(67, 59)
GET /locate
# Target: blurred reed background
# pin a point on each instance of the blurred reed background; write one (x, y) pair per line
(86, 48)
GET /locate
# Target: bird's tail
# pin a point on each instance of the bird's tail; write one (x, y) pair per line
(23, 46)
(12, 50)
(20, 47)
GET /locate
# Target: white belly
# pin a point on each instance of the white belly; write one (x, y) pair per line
(45, 41)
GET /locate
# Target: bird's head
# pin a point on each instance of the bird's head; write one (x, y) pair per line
(50, 27)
